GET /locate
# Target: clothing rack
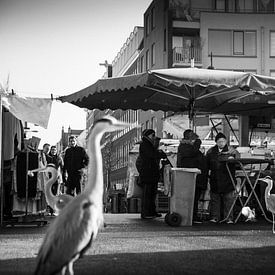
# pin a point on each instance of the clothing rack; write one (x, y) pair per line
(27, 219)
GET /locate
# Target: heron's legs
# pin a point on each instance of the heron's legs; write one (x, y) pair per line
(273, 224)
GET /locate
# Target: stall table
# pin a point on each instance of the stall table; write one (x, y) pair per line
(257, 166)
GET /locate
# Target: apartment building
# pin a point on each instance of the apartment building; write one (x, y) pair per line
(221, 34)
(240, 34)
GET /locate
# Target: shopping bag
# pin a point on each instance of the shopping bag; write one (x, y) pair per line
(134, 190)
(167, 178)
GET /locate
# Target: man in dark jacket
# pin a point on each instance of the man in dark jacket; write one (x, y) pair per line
(149, 174)
(75, 160)
(190, 156)
(221, 187)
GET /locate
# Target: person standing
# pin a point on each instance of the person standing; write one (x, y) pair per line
(58, 163)
(149, 174)
(75, 160)
(45, 157)
(221, 187)
(190, 156)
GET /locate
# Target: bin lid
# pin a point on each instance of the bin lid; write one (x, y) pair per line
(190, 170)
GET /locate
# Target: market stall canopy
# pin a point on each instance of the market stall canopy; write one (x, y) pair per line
(181, 90)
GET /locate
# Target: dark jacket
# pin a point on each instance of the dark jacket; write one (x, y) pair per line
(57, 161)
(75, 159)
(220, 181)
(189, 156)
(149, 162)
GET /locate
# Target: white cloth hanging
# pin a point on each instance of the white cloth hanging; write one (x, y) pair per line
(33, 110)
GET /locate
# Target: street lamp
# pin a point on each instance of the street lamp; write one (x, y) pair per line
(109, 68)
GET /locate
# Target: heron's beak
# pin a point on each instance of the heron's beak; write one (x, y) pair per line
(266, 179)
(120, 125)
(30, 172)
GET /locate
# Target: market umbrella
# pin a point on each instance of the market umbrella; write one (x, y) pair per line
(181, 90)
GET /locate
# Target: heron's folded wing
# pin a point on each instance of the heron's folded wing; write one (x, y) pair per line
(70, 233)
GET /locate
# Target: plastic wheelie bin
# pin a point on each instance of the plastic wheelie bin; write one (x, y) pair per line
(182, 192)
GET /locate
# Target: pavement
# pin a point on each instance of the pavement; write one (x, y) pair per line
(129, 245)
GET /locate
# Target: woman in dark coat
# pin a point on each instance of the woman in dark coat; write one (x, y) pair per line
(221, 187)
(149, 174)
(190, 156)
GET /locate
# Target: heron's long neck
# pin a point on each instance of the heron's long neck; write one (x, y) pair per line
(94, 187)
(50, 197)
(268, 188)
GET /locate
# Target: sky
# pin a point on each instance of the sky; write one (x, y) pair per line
(55, 47)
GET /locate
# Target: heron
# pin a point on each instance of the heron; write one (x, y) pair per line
(56, 202)
(269, 198)
(73, 230)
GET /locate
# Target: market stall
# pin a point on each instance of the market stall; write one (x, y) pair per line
(21, 196)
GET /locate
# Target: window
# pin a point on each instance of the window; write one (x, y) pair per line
(147, 60)
(141, 64)
(238, 43)
(272, 43)
(265, 5)
(250, 43)
(272, 73)
(147, 25)
(164, 40)
(219, 42)
(153, 23)
(153, 54)
(220, 5)
(230, 43)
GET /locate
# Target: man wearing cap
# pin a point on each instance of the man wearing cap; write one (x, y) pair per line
(149, 174)
(221, 187)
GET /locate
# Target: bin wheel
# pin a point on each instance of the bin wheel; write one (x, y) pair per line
(174, 219)
(166, 217)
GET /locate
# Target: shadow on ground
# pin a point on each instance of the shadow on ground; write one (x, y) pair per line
(221, 261)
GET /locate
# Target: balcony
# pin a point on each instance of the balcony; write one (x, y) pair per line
(182, 56)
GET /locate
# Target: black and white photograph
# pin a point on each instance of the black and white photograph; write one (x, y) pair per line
(137, 137)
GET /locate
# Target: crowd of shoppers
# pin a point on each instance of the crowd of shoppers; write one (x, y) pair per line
(69, 167)
(213, 173)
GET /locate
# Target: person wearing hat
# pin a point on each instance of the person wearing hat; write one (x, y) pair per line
(190, 156)
(149, 174)
(221, 187)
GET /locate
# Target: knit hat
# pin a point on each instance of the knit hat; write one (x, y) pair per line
(189, 135)
(147, 132)
(186, 133)
(219, 135)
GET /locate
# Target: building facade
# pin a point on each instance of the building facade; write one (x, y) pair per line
(222, 34)
(237, 34)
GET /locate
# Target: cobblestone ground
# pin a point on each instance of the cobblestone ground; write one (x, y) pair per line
(129, 245)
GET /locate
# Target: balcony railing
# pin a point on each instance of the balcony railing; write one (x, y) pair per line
(184, 55)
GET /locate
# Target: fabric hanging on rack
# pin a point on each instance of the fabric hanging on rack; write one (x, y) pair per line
(33, 110)
(13, 135)
(21, 174)
(7, 182)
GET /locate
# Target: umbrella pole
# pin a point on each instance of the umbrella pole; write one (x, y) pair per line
(1, 166)
(191, 123)
(191, 114)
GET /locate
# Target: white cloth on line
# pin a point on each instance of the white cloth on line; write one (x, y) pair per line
(30, 109)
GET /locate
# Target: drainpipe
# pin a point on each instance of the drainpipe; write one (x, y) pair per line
(262, 52)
